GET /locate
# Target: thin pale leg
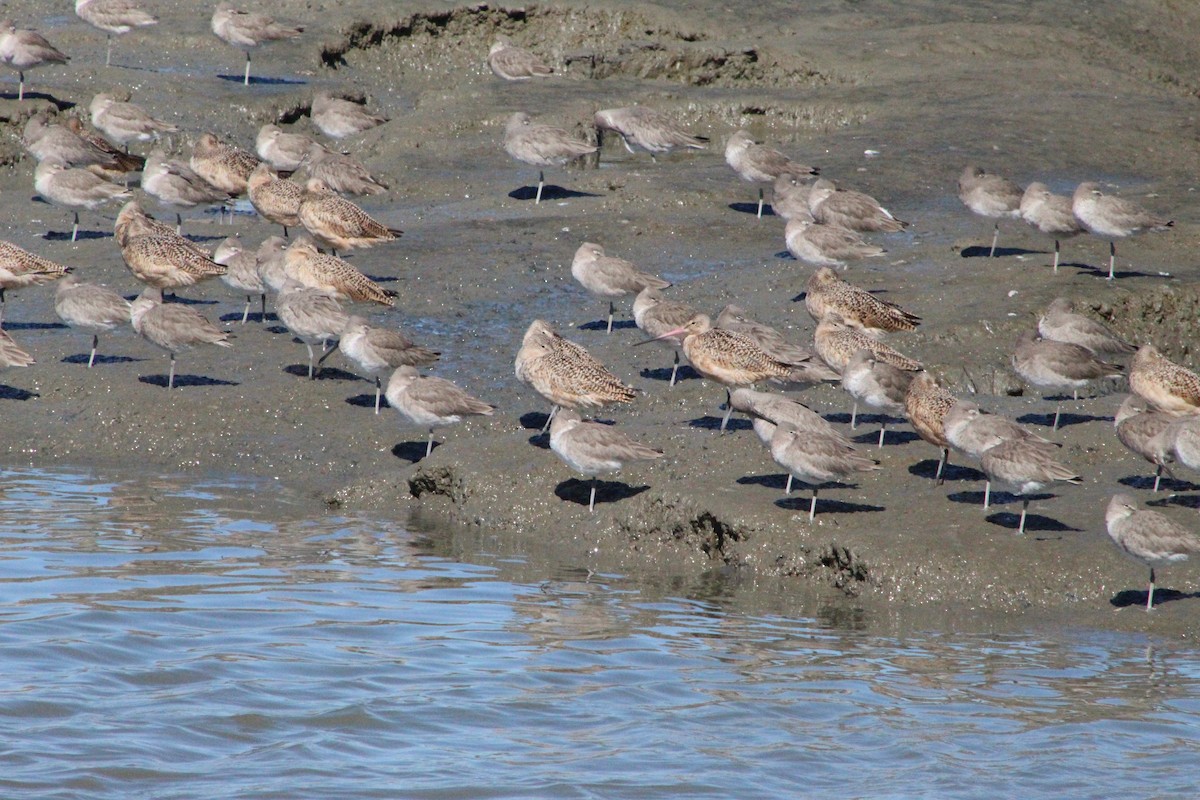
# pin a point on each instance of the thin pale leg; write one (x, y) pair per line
(942, 462)
(246, 78)
(1157, 477)
(854, 416)
(171, 374)
(549, 419)
(75, 227)
(541, 183)
(1024, 510)
(326, 352)
(108, 51)
(882, 431)
(760, 202)
(788, 489)
(675, 368)
(1150, 592)
(812, 507)
(1057, 412)
(611, 311)
(987, 495)
(262, 298)
(378, 393)
(246, 311)
(1056, 256)
(429, 446)
(995, 238)
(20, 86)
(1112, 260)
(95, 345)
(311, 360)
(728, 411)
(592, 500)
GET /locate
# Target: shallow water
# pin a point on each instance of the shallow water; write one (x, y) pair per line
(183, 637)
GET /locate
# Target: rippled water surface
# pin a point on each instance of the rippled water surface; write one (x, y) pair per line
(182, 638)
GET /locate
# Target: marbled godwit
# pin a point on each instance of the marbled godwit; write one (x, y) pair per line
(1026, 465)
(1163, 383)
(566, 374)
(74, 189)
(836, 343)
(989, 196)
(341, 173)
(120, 161)
(656, 315)
(926, 406)
(11, 354)
(283, 151)
(773, 343)
(431, 402)
(826, 245)
(91, 307)
(48, 141)
(1050, 213)
(177, 187)
(225, 166)
(816, 459)
(1060, 323)
(541, 145)
(826, 293)
(246, 30)
(313, 316)
(19, 268)
(857, 211)
(377, 350)
(1142, 430)
(167, 261)
(592, 448)
(876, 383)
(173, 327)
(731, 359)
(789, 198)
(332, 275)
(610, 277)
(22, 49)
(274, 199)
(1113, 218)
(760, 164)
(123, 122)
(241, 273)
(775, 409)
(516, 64)
(1058, 365)
(338, 223)
(1148, 536)
(113, 16)
(133, 221)
(647, 129)
(338, 118)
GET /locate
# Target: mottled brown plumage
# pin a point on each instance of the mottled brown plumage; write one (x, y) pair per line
(565, 373)
(274, 199)
(223, 165)
(1164, 384)
(337, 222)
(836, 343)
(167, 261)
(335, 276)
(515, 63)
(826, 293)
(926, 406)
(19, 269)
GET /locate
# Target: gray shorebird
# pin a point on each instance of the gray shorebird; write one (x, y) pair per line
(122, 162)
(123, 122)
(541, 145)
(22, 49)
(1026, 465)
(74, 189)
(376, 350)
(826, 293)
(241, 273)
(177, 187)
(647, 129)
(1164, 384)
(54, 141)
(610, 277)
(1112, 218)
(1141, 430)
(282, 150)
(514, 63)
(20, 268)
(565, 373)
(341, 173)
(592, 448)
(826, 245)
(431, 402)
(971, 431)
(113, 17)
(989, 196)
(777, 410)
(758, 163)
(247, 30)
(772, 342)
(1060, 323)
(337, 117)
(816, 459)
(1148, 537)
(926, 406)
(312, 316)
(857, 211)
(172, 326)
(1059, 366)
(90, 307)
(876, 383)
(1050, 213)
(789, 197)
(655, 315)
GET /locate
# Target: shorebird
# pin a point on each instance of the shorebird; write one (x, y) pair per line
(341, 173)
(1141, 430)
(1113, 218)
(241, 273)
(120, 162)
(826, 245)
(971, 431)
(177, 187)
(876, 383)
(1060, 323)
(1148, 536)
(826, 293)
(515, 64)
(247, 30)
(123, 122)
(1057, 365)
(270, 258)
(313, 316)
(48, 141)
(989, 196)
(91, 307)
(133, 221)
(789, 198)
(283, 151)
(760, 164)
(1050, 213)
(1163, 383)
(337, 277)
(830, 205)
(376, 350)
(74, 189)
(274, 199)
(773, 343)
(11, 354)
(566, 374)
(647, 129)
(836, 343)
(777, 410)
(172, 326)
(223, 165)
(816, 459)
(431, 402)
(610, 277)
(926, 406)
(338, 223)
(1179, 442)
(655, 315)
(1026, 465)
(167, 261)
(113, 16)
(19, 268)
(22, 49)
(338, 118)
(541, 145)
(592, 448)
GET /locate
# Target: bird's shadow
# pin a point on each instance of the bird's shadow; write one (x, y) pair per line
(277, 329)
(579, 492)
(412, 452)
(533, 420)
(983, 251)
(65, 236)
(778, 481)
(951, 472)
(685, 373)
(549, 192)
(1182, 500)
(323, 374)
(34, 326)
(367, 401)
(256, 81)
(1065, 419)
(602, 325)
(1102, 272)
(82, 358)
(825, 505)
(999, 497)
(1137, 597)
(752, 209)
(892, 437)
(236, 317)
(1167, 484)
(1033, 522)
(61, 105)
(182, 381)
(13, 393)
(172, 297)
(714, 424)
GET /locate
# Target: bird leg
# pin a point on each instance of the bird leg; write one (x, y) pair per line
(20, 86)
(592, 501)
(541, 183)
(75, 228)
(378, 392)
(108, 51)
(171, 375)
(1024, 509)
(246, 79)
(1112, 260)
(611, 311)
(311, 356)
(728, 410)
(429, 446)
(1056, 256)
(760, 202)
(987, 494)
(549, 419)
(1057, 412)
(675, 368)
(326, 352)
(942, 462)
(95, 344)
(854, 416)
(1150, 594)
(995, 238)
(1157, 476)
(882, 431)
(246, 311)
(788, 489)
(812, 507)
(263, 300)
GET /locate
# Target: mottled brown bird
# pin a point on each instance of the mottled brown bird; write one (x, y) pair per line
(826, 293)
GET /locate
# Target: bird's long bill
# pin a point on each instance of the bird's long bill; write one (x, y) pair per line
(668, 335)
